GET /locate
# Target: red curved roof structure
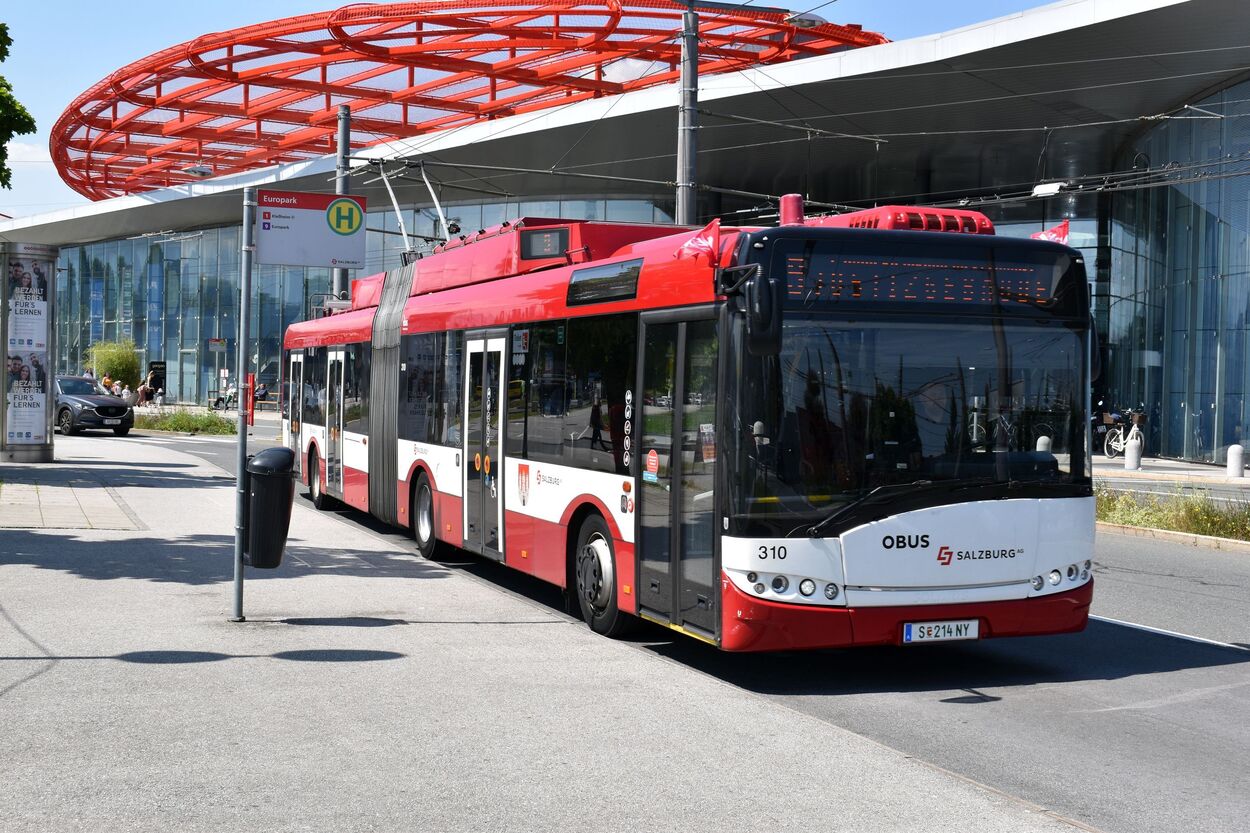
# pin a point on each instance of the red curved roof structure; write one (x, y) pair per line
(269, 93)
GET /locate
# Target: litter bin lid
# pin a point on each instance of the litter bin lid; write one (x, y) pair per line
(272, 461)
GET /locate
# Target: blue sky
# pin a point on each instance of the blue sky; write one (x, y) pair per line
(62, 47)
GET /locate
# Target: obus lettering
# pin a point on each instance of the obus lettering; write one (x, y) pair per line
(905, 542)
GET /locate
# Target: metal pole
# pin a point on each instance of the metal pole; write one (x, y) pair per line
(241, 362)
(342, 173)
(687, 115)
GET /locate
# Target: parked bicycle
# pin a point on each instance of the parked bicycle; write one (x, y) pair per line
(1123, 428)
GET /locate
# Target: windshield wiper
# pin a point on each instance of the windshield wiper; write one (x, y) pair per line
(877, 494)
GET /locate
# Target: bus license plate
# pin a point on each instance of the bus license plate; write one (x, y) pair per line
(940, 631)
(112, 422)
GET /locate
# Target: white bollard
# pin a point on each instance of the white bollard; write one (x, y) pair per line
(1236, 461)
(1132, 455)
(1043, 443)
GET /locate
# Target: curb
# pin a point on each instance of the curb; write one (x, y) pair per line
(1193, 540)
(1170, 477)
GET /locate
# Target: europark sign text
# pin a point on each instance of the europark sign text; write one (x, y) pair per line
(294, 228)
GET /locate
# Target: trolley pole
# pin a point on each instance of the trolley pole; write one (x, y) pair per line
(687, 145)
(342, 170)
(242, 364)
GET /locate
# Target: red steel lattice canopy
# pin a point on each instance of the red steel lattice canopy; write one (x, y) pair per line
(267, 94)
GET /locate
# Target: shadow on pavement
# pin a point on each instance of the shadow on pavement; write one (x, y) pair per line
(196, 559)
(1105, 651)
(196, 657)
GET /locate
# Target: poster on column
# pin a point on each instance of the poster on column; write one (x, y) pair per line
(29, 275)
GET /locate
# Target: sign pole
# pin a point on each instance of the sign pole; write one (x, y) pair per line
(342, 173)
(245, 312)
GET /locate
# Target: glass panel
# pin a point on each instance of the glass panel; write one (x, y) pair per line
(655, 451)
(696, 510)
(601, 358)
(473, 452)
(492, 462)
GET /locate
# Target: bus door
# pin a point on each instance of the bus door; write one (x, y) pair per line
(334, 423)
(483, 444)
(293, 405)
(677, 464)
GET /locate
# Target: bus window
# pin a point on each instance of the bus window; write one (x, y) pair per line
(451, 381)
(601, 361)
(422, 363)
(537, 392)
(314, 395)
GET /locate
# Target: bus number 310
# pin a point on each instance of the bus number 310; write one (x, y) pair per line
(772, 552)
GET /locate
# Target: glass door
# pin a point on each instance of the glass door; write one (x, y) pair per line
(678, 448)
(483, 446)
(334, 424)
(292, 406)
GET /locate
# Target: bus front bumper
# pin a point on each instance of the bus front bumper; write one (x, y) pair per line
(750, 624)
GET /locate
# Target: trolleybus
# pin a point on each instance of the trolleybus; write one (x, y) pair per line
(863, 429)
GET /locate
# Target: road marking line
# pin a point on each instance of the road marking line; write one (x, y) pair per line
(1176, 634)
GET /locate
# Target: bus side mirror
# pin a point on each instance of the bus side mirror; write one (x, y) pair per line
(762, 295)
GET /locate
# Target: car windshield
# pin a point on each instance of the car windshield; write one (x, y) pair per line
(853, 404)
(81, 387)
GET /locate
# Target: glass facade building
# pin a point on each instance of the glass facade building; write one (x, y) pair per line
(1178, 305)
(174, 293)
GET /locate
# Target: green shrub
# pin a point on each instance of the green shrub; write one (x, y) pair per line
(116, 359)
(185, 422)
(1193, 512)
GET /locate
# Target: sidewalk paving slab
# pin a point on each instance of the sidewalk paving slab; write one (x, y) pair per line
(372, 690)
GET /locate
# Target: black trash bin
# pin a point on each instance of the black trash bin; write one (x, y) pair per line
(271, 489)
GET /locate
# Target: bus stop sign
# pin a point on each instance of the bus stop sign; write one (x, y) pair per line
(294, 228)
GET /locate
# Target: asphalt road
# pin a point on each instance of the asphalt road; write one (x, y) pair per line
(1120, 728)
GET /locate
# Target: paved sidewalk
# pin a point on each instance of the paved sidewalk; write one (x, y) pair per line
(1156, 470)
(373, 690)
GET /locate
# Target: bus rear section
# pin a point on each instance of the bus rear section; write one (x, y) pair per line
(803, 437)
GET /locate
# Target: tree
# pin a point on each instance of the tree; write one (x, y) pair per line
(14, 119)
(118, 360)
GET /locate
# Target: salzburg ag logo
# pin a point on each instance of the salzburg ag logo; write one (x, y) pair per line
(944, 556)
(523, 483)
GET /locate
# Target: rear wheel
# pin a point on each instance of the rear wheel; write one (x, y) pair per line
(65, 423)
(423, 517)
(594, 566)
(318, 497)
(1110, 445)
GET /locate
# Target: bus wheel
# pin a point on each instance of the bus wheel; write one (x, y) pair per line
(315, 494)
(595, 569)
(423, 517)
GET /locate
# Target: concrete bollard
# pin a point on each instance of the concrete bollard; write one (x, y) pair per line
(1132, 455)
(1043, 443)
(1236, 461)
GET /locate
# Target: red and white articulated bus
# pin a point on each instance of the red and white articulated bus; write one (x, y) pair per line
(855, 430)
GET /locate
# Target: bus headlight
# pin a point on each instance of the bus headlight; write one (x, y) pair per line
(807, 587)
(780, 584)
(1055, 576)
(1073, 572)
(752, 577)
(1037, 582)
(759, 588)
(831, 591)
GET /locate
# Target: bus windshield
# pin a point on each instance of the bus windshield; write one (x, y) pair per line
(854, 403)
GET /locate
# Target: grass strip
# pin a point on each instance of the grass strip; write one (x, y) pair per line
(1194, 512)
(185, 422)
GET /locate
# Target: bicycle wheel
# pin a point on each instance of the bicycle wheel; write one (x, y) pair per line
(1114, 442)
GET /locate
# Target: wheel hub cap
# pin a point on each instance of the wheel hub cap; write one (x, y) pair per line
(594, 572)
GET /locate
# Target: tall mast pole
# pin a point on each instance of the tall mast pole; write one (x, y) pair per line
(686, 117)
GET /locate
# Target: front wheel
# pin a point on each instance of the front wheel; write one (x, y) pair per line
(65, 423)
(594, 567)
(315, 493)
(423, 517)
(1112, 444)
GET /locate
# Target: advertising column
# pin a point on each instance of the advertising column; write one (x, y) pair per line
(26, 329)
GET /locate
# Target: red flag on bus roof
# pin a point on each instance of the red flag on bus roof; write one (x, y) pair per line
(705, 242)
(1057, 234)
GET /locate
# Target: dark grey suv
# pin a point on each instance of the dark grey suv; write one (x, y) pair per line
(82, 403)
